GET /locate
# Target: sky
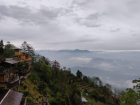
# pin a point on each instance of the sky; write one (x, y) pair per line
(109, 26)
(71, 24)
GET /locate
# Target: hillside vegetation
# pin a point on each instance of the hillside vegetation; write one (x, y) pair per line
(61, 87)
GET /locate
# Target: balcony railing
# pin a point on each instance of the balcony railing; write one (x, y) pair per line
(7, 71)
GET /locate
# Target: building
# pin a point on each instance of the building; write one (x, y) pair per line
(56, 64)
(12, 97)
(84, 100)
(9, 76)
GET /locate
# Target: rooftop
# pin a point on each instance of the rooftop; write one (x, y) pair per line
(11, 61)
(84, 100)
(12, 97)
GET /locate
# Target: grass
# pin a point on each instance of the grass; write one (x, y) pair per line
(92, 101)
(33, 90)
(84, 85)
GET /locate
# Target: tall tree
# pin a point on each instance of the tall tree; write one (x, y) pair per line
(27, 48)
(79, 74)
(130, 98)
(8, 50)
(21, 67)
(1, 47)
(46, 73)
(108, 86)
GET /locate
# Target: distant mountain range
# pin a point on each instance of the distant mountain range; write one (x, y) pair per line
(68, 51)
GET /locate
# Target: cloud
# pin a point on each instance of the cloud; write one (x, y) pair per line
(81, 59)
(60, 24)
(25, 15)
(106, 66)
(76, 41)
(121, 83)
(90, 21)
(116, 30)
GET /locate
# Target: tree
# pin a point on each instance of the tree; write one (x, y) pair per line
(69, 69)
(138, 85)
(95, 95)
(27, 48)
(85, 79)
(22, 68)
(77, 100)
(79, 74)
(64, 68)
(100, 83)
(45, 72)
(108, 86)
(130, 98)
(2, 58)
(1, 47)
(8, 50)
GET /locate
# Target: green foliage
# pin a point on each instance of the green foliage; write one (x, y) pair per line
(58, 100)
(41, 86)
(138, 85)
(2, 58)
(95, 95)
(77, 100)
(25, 87)
(130, 98)
(45, 72)
(21, 67)
(14, 88)
(8, 50)
(27, 48)
(30, 100)
(47, 90)
(86, 91)
(79, 74)
(1, 47)
(85, 79)
(26, 93)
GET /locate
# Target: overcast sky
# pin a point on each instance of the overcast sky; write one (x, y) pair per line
(72, 24)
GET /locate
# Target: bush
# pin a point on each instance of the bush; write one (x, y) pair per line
(86, 91)
(95, 94)
(22, 83)
(25, 87)
(47, 90)
(15, 88)
(26, 93)
(53, 101)
(30, 100)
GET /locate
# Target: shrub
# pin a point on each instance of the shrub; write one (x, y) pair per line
(95, 94)
(52, 101)
(30, 100)
(22, 83)
(15, 88)
(47, 90)
(86, 91)
(26, 93)
(25, 87)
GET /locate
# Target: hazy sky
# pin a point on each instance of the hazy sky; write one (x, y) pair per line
(72, 24)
